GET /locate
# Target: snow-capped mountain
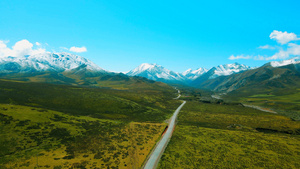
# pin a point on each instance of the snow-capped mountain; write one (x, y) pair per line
(155, 72)
(159, 73)
(45, 62)
(294, 60)
(193, 74)
(228, 69)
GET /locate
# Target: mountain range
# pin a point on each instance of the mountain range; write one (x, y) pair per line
(159, 73)
(277, 74)
(58, 62)
(70, 68)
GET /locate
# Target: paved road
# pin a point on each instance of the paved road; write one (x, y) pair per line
(178, 94)
(161, 146)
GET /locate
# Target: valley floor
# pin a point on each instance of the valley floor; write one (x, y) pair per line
(231, 136)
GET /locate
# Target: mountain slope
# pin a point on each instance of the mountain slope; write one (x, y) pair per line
(70, 69)
(294, 60)
(221, 70)
(257, 80)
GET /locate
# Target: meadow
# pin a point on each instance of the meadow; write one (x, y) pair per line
(283, 100)
(62, 126)
(210, 135)
(287, 104)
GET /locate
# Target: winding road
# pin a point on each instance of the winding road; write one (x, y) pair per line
(162, 144)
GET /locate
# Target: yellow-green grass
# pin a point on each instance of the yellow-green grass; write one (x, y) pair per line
(262, 95)
(290, 98)
(199, 147)
(287, 104)
(30, 135)
(232, 136)
(130, 105)
(224, 116)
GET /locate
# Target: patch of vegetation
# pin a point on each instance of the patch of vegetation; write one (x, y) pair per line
(199, 147)
(232, 136)
(285, 102)
(65, 126)
(131, 105)
(72, 142)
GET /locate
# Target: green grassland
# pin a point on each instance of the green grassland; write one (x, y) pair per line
(83, 77)
(67, 126)
(31, 136)
(285, 102)
(131, 105)
(232, 136)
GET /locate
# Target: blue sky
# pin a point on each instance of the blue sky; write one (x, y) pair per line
(120, 35)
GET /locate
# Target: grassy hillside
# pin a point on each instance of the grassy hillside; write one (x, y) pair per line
(275, 88)
(285, 103)
(257, 80)
(34, 136)
(232, 136)
(137, 105)
(66, 126)
(86, 78)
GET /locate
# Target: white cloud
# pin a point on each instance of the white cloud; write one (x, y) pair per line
(284, 52)
(78, 49)
(259, 57)
(283, 37)
(267, 47)
(232, 57)
(4, 50)
(20, 49)
(37, 43)
(293, 49)
(23, 47)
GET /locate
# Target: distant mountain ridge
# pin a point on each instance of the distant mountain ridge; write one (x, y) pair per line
(69, 68)
(279, 75)
(294, 60)
(45, 62)
(193, 74)
(156, 72)
(159, 73)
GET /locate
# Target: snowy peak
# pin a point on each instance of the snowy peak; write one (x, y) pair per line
(200, 71)
(159, 73)
(45, 62)
(155, 72)
(228, 69)
(193, 74)
(294, 60)
(145, 67)
(187, 72)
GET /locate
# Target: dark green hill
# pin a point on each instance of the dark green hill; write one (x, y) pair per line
(81, 76)
(274, 88)
(80, 119)
(260, 80)
(132, 105)
(66, 126)
(198, 81)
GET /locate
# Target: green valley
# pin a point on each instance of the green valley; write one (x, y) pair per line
(65, 126)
